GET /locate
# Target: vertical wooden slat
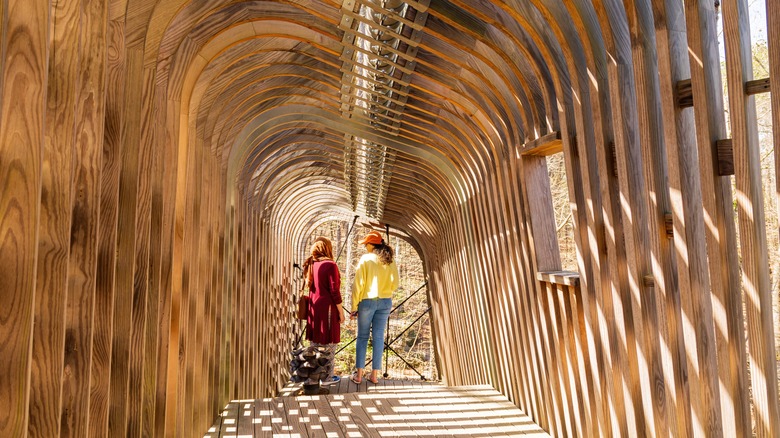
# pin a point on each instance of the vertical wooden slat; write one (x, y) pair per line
(569, 325)
(638, 309)
(180, 158)
(141, 259)
(54, 225)
(156, 321)
(685, 202)
(560, 323)
(651, 136)
(189, 291)
(586, 236)
(752, 230)
(212, 352)
(773, 41)
(208, 297)
(204, 255)
(86, 181)
(23, 73)
(123, 301)
(109, 207)
(721, 236)
(551, 363)
(219, 291)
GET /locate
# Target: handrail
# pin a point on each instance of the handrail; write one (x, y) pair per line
(391, 312)
(387, 344)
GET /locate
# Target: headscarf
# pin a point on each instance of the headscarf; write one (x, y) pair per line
(321, 250)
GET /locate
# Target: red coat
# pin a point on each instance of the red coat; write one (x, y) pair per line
(323, 325)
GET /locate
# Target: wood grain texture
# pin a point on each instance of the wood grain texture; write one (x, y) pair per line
(752, 230)
(140, 281)
(773, 40)
(100, 374)
(54, 225)
(23, 73)
(196, 145)
(721, 233)
(86, 186)
(126, 231)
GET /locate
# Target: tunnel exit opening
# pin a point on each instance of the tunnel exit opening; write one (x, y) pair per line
(410, 353)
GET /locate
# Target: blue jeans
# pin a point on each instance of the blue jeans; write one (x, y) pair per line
(372, 316)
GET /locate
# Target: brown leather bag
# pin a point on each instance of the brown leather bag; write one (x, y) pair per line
(303, 307)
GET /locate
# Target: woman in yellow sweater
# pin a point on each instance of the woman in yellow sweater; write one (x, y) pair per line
(376, 278)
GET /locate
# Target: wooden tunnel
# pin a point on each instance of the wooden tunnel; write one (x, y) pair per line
(162, 163)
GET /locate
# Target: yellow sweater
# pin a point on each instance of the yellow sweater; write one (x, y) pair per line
(373, 279)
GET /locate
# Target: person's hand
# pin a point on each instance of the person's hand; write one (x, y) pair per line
(353, 316)
(341, 313)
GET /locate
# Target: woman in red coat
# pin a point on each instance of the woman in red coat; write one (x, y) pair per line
(323, 326)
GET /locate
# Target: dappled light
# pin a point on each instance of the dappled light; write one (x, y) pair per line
(428, 410)
(583, 197)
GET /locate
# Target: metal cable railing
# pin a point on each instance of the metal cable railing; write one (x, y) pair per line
(387, 344)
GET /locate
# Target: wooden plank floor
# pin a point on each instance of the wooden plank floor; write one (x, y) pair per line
(391, 408)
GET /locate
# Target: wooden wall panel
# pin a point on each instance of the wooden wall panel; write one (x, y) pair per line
(23, 73)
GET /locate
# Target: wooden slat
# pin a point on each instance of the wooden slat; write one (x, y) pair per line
(86, 181)
(200, 388)
(752, 231)
(140, 281)
(107, 254)
(165, 418)
(721, 413)
(567, 278)
(685, 202)
(228, 419)
(662, 253)
(190, 294)
(246, 415)
(23, 42)
(757, 86)
(54, 227)
(123, 301)
(548, 144)
(157, 322)
(263, 418)
(773, 41)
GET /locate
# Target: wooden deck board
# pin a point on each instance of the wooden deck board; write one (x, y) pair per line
(391, 408)
(263, 417)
